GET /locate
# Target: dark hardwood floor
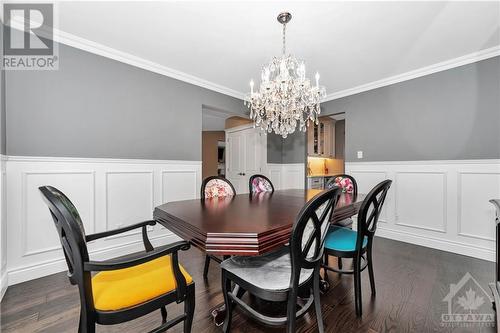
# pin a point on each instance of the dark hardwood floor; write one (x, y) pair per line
(411, 284)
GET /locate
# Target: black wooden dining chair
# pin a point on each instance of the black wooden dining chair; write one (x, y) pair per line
(337, 180)
(343, 242)
(124, 288)
(280, 275)
(260, 183)
(215, 187)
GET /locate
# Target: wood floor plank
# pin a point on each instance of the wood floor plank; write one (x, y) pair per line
(411, 283)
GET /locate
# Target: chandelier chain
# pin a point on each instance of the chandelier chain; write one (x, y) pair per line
(284, 38)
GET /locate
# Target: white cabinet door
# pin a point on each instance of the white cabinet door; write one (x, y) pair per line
(245, 155)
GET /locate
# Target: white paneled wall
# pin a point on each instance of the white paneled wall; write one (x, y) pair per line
(287, 176)
(438, 204)
(3, 229)
(108, 193)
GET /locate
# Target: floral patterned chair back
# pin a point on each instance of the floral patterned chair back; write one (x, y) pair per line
(346, 183)
(216, 187)
(260, 183)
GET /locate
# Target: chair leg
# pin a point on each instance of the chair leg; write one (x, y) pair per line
(357, 285)
(339, 261)
(163, 311)
(86, 324)
(189, 305)
(370, 270)
(324, 269)
(205, 269)
(317, 302)
(291, 311)
(226, 288)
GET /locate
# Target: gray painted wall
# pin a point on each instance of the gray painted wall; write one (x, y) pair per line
(454, 114)
(97, 107)
(294, 148)
(274, 148)
(286, 151)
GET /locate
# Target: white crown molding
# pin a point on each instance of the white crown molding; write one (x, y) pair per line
(423, 71)
(220, 113)
(129, 59)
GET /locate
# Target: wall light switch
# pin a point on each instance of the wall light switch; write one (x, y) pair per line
(360, 154)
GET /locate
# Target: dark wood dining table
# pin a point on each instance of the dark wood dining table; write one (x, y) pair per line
(245, 224)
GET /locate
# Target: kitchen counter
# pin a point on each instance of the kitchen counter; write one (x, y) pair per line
(319, 176)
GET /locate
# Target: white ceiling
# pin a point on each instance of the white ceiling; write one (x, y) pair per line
(349, 43)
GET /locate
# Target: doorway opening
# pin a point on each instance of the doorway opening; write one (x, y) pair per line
(213, 153)
(325, 150)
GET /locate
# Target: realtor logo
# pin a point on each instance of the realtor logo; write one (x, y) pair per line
(28, 37)
(469, 305)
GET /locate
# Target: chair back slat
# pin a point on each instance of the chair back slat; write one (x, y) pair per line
(72, 237)
(309, 232)
(370, 210)
(67, 221)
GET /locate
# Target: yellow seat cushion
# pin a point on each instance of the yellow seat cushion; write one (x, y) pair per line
(122, 288)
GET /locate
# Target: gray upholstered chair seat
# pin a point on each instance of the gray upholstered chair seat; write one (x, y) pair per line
(271, 271)
(345, 222)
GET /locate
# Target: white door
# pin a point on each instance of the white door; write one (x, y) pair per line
(246, 155)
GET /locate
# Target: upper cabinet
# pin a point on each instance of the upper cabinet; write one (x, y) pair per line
(321, 138)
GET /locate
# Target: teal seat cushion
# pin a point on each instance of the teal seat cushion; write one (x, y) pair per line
(342, 239)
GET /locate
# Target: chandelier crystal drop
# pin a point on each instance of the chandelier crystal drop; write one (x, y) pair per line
(286, 98)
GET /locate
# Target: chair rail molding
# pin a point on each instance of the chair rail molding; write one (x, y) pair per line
(438, 204)
(108, 193)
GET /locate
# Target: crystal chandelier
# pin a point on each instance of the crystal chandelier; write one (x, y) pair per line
(285, 97)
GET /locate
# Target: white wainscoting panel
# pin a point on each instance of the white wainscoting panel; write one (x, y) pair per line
(287, 176)
(474, 206)
(414, 207)
(129, 198)
(3, 228)
(438, 204)
(35, 235)
(108, 193)
(185, 183)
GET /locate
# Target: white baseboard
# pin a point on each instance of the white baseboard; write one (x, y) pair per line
(41, 269)
(438, 244)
